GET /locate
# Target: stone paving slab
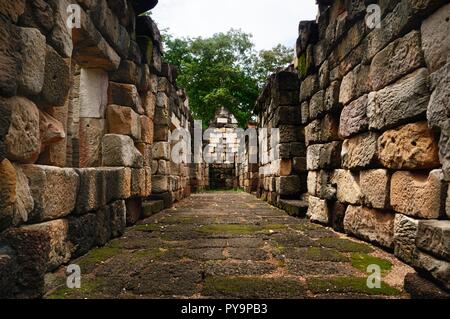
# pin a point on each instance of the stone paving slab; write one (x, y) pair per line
(231, 245)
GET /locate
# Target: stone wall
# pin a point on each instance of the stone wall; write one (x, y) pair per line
(86, 116)
(375, 102)
(282, 159)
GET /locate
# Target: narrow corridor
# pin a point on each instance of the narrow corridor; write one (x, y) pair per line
(230, 245)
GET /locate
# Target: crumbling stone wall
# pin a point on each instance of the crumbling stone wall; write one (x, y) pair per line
(375, 102)
(80, 156)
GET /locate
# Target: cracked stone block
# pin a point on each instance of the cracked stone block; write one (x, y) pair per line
(322, 130)
(61, 35)
(324, 156)
(319, 185)
(438, 111)
(418, 194)
(354, 118)
(373, 225)
(57, 78)
(161, 150)
(318, 210)
(355, 84)
(360, 152)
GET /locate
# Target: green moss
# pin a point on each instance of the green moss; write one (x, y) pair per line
(302, 67)
(178, 220)
(305, 227)
(97, 256)
(147, 228)
(253, 287)
(348, 285)
(153, 253)
(239, 229)
(323, 254)
(345, 245)
(87, 287)
(361, 261)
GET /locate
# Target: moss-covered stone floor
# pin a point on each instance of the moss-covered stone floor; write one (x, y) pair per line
(230, 245)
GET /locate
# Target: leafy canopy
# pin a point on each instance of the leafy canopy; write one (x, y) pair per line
(223, 70)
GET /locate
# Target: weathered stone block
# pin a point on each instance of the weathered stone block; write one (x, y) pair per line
(447, 205)
(437, 268)
(57, 78)
(13, 9)
(354, 118)
(123, 120)
(289, 185)
(146, 129)
(444, 149)
(399, 102)
(128, 72)
(51, 130)
(323, 156)
(10, 57)
(309, 86)
(399, 58)
(33, 51)
(149, 104)
(318, 210)
(134, 210)
(138, 182)
(54, 191)
(118, 211)
(103, 220)
(433, 236)
(405, 233)
(125, 95)
(417, 194)
(420, 287)
(369, 224)
(348, 190)
(93, 93)
(412, 146)
(8, 193)
(119, 150)
(160, 184)
(375, 186)
(61, 35)
(355, 84)
(22, 141)
(436, 38)
(24, 203)
(91, 131)
(438, 111)
(161, 150)
(82, 233)
(331, 99)
(322, 130)
(92, 192)
(360, 151)
(319, 185)
(317, 105)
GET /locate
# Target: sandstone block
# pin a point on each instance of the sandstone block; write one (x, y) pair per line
(412, 146)
(82, 233)
(289, 185)
(399, 102)
(93, 93)
(55, 154)
(405, 233)
(447, 206)
(317, 105)
(57, 78)
(348, 190)
(146, 129)
(444, 149)
(103, 225)
(318, 210)
(146, 151)
(360, 151)
(161, 150)
(417, 194)
(354, 118)
(438, 269)
(355, 84)
(319, 185)
(116, 183)
(22, 142)
(123, 120)
(309, 86)
(281, 167)
(118, 212)
(436, 38)
(8, 193)
(91, 131)
(375, 186)
(331, 99)
(369, 224)
(119, 150)
(24, 203)
(149, 104)
(323, 156)
(128, 72)
(10, 61)
(134, 210)
(160, 184)
(125, 95)
(322, 130)
(433, 237)
(61, 35)
(13, 9)
(33, 51)
(399, 58)
(54, 191)
(92, 192)
(438, 111)
(51, 130)
(138, 182)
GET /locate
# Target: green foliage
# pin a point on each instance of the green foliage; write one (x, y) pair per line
(223, 70)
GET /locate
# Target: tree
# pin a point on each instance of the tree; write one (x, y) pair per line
(223, 70)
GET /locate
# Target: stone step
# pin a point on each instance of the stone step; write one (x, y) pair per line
(151, 208)
(297, 208)
(420, 288)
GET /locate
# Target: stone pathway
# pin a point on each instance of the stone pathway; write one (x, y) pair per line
(230, 245)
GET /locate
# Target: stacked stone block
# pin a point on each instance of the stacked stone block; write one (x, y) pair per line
(375, 105)
(282, 163)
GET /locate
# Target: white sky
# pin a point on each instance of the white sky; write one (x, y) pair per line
(270, 21)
